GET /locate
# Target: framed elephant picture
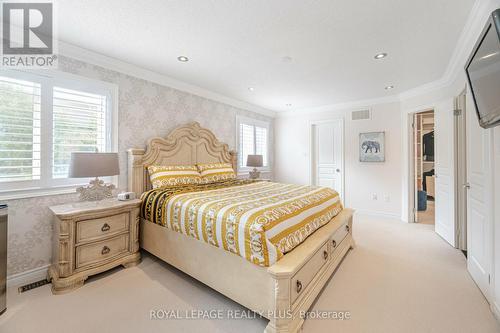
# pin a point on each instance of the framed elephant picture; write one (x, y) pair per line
(372, 147)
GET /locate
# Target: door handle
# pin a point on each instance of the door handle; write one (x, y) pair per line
(467, 186)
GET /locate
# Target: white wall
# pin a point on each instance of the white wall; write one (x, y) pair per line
(362, 180)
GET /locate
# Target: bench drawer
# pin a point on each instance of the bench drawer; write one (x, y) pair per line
(339, 236)
(306, 273)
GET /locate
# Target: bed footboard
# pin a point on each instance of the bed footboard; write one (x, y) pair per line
(283, 292)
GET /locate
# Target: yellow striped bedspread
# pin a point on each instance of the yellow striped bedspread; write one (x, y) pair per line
(259, 221)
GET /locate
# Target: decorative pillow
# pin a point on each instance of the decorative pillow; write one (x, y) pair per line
(216, 172)
(172, 175)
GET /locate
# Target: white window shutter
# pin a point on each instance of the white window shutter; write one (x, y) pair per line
(79, 125)
(247, 145)
(253, 139)
(261, 143)
(19, 130)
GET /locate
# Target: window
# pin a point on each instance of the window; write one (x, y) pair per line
(253, 138)
(19, 130)
(79, 124)
(45, 118)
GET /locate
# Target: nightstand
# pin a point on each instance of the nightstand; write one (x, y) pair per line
(92, 237)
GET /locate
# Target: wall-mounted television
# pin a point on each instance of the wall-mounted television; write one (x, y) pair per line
(483, 73)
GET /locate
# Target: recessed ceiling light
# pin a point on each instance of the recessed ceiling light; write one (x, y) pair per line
(389, 87)
(183, 59)
(251, 89)
(380, 56)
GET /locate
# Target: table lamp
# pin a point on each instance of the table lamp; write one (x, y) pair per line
(84, 165)
(254, 161)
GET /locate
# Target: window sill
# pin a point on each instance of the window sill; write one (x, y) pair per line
(246, 170)
(37, 192)
(55, 189)
(242, 173)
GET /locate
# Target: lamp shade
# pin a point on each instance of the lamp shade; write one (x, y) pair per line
(254, 161)
(93, 165)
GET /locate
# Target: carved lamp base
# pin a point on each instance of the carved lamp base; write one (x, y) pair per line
(254, 174)
(96, 190)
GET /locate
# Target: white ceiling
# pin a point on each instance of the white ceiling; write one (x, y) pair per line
(233, 45)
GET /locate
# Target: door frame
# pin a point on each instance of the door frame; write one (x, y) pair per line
(412, 198)
(408, 177)
(312, 162)
(460, 132)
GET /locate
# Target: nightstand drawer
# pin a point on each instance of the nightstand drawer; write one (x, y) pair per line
(94, 229)
(96, 252)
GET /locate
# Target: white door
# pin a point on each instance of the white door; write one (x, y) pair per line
(444, 170)
(479, 213)
(327, 157)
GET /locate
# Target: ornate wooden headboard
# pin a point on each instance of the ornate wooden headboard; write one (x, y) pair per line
(186, 145)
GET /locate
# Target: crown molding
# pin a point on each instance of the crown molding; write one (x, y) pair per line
(473, 26)
(354, 105)
(78, 53)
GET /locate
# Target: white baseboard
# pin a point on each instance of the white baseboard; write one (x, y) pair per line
(377, 213)
(496, 310)
(26, 277)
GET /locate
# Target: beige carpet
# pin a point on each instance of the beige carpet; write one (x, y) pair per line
(427, 216)
(401, 278)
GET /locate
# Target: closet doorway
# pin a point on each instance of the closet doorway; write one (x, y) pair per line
(425, 180)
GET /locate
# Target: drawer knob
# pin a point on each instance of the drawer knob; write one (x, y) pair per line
(325, 254)
(334, 243)
(347, 228)
(105, 250)
(105, 227)
(299, 286)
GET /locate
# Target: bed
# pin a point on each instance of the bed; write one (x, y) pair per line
(274, 273)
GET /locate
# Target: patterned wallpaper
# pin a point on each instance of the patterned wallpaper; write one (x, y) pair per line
(146, 109)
